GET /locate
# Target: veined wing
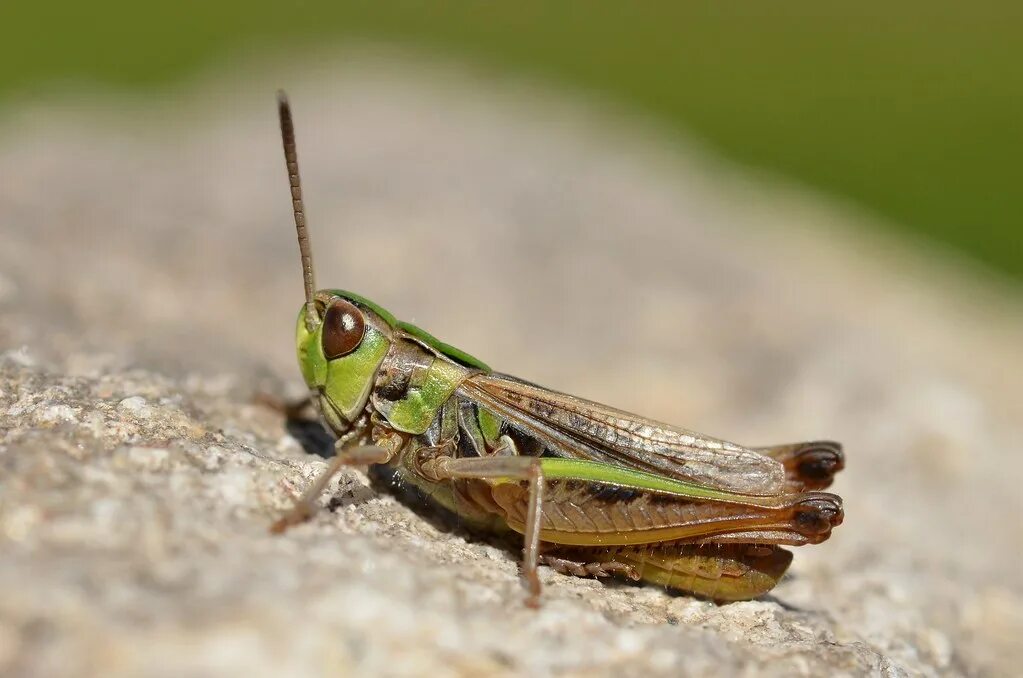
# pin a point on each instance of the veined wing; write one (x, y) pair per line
(581, 429)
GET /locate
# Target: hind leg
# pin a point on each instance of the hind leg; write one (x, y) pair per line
(810, 465)
(577, 568)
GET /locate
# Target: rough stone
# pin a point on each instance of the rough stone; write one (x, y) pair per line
(148, 287)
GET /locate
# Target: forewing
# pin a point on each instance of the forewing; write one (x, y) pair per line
(581, 429)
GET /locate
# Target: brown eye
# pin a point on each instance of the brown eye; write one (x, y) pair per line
(343, 327)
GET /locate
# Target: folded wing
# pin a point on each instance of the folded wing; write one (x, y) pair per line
(581, 429)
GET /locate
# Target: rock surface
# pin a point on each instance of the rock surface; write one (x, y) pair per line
(148, 286)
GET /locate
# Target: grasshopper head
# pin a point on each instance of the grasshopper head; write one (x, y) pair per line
(340, 350)
(341, 338)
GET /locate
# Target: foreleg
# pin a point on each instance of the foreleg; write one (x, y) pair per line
(307, 505)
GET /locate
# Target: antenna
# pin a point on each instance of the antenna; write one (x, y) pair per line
(291, 158)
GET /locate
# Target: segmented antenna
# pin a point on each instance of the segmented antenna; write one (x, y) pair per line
(291, 158)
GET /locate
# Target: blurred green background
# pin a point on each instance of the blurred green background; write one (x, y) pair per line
(910, 109)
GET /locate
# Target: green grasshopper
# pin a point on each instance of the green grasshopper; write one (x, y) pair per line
(594, 491)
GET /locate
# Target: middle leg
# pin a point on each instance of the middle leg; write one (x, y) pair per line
(518, 468)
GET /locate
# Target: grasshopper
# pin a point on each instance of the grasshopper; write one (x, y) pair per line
(592, 490)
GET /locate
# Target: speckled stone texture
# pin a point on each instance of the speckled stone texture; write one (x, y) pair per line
(149, 282)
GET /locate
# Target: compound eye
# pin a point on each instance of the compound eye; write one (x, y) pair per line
(343, 329)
